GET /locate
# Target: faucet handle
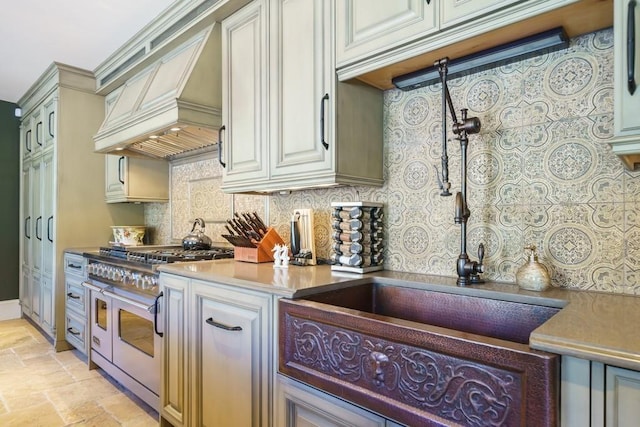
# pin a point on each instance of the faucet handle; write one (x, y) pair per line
(479, 266)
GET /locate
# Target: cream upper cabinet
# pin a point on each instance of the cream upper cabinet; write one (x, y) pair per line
(244, 95)
(626, 141)
(377, 43)
(456, 11)
(136, 179)
(367, 27)
(302, 100)
(313, 131)
(49, 118)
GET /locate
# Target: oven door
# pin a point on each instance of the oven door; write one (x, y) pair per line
(136, 347)
(100, 327)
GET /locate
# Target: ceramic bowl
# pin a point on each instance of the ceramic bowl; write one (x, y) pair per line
(128, 235)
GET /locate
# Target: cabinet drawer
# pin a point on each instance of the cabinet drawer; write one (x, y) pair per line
(74, 264)
(75, 296)
(76, 331)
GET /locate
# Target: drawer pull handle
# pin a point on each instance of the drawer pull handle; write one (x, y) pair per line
(212, 322)
(73, 331)
(76, 266)
(73, 296)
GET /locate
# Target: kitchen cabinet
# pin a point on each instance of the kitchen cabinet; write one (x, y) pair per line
(456, 11)
(626, 96)
(313, 131)
(299, 405)
(245, 96)
(622, 397)
(369, 51)
(217, 345)
(365, 28)
(136, 179)
(597, 394)
(61, 190)
(76, 302)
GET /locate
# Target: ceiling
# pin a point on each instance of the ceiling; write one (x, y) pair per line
(82, 33)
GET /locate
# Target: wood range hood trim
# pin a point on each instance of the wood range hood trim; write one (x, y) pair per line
(578, 18)
(172, 106)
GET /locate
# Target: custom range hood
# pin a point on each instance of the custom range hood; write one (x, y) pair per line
(172, 107)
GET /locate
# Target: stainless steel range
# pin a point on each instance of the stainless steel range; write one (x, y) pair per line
(125, 339)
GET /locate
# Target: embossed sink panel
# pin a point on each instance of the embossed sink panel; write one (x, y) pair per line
(506, 320)
(384, 355)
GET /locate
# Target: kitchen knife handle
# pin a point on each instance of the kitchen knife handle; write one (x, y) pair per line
(27, 226)
(120, 164)
(155, 315)
(49, 229)
(223, 164)
(212, 322)
(322, 105)
(631, 47)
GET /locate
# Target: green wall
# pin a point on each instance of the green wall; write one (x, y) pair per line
(9, 194)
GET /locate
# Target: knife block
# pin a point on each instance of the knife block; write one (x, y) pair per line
(261, 253)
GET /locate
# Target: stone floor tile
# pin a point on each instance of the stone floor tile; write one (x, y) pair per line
(41, 415)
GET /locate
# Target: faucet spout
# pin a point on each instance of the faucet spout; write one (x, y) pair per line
(459, 209)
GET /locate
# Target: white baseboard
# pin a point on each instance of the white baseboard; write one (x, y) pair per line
(10, 309)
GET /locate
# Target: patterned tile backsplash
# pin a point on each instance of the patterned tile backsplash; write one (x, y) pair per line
(540, 172)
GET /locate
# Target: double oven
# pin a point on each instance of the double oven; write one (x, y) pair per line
(124, 327)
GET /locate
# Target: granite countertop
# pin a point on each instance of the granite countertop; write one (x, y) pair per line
(596, 326)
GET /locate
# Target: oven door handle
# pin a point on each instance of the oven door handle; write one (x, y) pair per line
(92, 287)
(129, 301)
(155, 315)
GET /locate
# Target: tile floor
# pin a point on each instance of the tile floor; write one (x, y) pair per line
(39, 387)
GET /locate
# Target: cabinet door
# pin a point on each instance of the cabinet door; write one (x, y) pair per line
(244, 94)
(134, 179)
(37, 215)
(26, 141)
(37, 126)
(36, 292)
(368, 27)
(456, 11)
(231, 339)
(25, 290)
(115, 168)
(50, 121)
(27, 215)
(48, 220)
(47, 313)
(622, 398)
(626, 73)
(173, 391)
(302, 406)
(302, 73)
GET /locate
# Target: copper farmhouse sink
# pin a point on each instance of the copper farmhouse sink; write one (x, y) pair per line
(422, 357)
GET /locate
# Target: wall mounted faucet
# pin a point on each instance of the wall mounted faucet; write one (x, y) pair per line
(468, 271)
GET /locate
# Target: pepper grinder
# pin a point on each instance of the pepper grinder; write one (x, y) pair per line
(533, 276)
